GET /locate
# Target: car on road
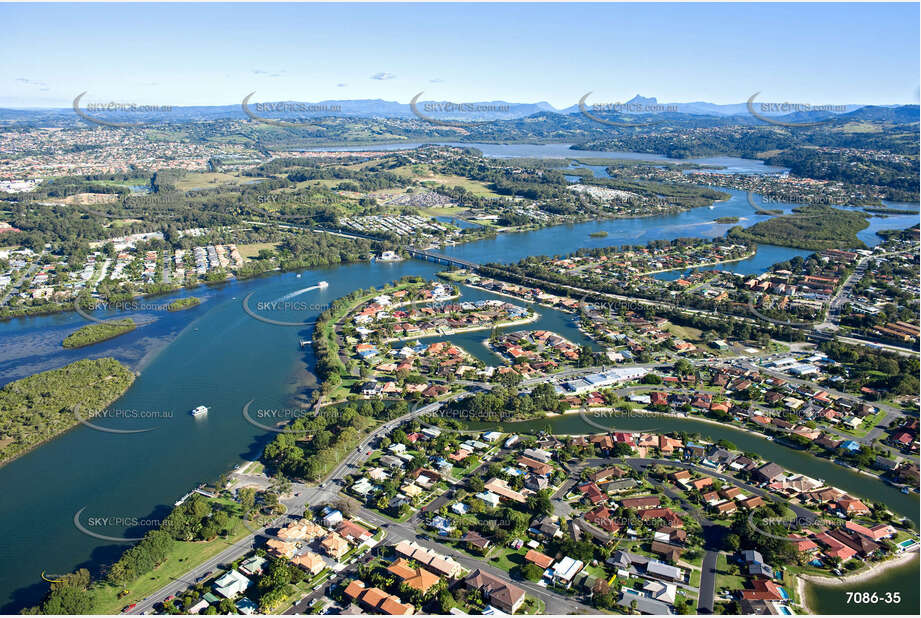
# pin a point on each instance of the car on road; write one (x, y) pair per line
(128, 608)
(204, 577)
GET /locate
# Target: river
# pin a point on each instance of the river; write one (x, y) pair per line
(218, 356)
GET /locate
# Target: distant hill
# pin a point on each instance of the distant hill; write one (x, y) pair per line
(683, 113)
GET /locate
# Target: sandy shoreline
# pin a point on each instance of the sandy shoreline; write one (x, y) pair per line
(873, 571)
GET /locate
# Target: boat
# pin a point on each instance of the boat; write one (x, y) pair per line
(322, 284)
(297, 276)
(200, 411)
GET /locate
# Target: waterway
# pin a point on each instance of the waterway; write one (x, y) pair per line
(217, 355)
(903, 579)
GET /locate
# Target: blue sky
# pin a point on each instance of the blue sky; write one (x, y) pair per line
(210, 54)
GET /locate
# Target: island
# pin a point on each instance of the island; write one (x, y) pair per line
(726, 220)
(38, 408)
(182, 304)
(600, 234)
(808, 227)
(95, 333)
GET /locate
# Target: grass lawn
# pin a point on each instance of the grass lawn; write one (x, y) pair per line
(506, 558)
(724, 579)
(182, 558)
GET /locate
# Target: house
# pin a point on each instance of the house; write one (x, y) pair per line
(353, 532)
(475, 540)
(643, 604)
(252, 565)
(334, 545)
(763, 590)
(416, 578)
(875, 533)
(376, 599)
(664, 571)
(310, 562)
(802, 544)
(666, 514)
(768, 473)
(537, 467)
(500, 487)
(393, 462)
(231, 583)
(601, 516)
(641, 503)
(536, 483)
(246, 607)
(489, 498)
(363, 487)
(699, 484)
(442, 565)
(666, 551)
(861, 544)
(591, 493)
(833, 548)
(332, 518)
(542, 560)
(281, 549)
(499, 593)
(198, 607)
(851, 506)
(751, 502)
(546, 527)
(566, 569)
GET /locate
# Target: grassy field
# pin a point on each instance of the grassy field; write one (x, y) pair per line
(183, 557)
(687, 333)
(472, 186)
(450, 211)
(208, 180)
(252, 250)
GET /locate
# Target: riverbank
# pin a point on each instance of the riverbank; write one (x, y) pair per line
(865, 575)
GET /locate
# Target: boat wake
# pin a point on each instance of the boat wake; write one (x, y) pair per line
(318, 286)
